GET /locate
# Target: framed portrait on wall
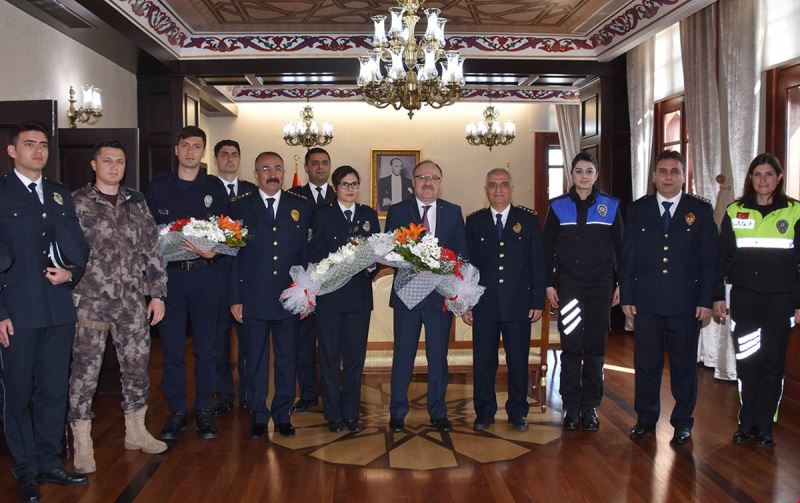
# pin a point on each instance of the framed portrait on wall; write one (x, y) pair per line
(391, 177)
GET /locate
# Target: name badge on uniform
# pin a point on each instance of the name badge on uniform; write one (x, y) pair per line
(690, 218)
(517, 227)
(602, 209)
(58, 199)
(743, 223)
(208, 200)
(295, 215)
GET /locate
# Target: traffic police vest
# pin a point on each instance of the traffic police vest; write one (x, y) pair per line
(602, 212)
(752, 230)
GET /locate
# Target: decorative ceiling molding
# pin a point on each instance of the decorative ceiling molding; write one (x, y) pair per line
(631, 22)
(352, 93)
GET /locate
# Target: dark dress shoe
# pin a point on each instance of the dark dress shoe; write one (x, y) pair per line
(285, 429)
(335, 426)
(258, 429)
(519, 423)
(482, 423)
(681, 436)
(243, 404)
(222, 407)
(396, 424)
(28, 488)
(442, 424)
(353, 425)
(764, 440)
(740, 437)
(304, 405)
(571, 420)
(640, 430)
(61, 477)
(205, 425)
(589, 420)
(176, 424)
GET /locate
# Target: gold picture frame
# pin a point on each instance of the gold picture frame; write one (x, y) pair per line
(384, 163)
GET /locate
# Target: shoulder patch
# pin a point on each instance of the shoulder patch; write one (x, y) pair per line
(295, 194)
(242, 196)
(526, 209)
(705, 200)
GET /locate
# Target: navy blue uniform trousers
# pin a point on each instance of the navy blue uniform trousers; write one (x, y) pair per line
(307, 377)
(485, 343)
(194, 295)
(680, 334)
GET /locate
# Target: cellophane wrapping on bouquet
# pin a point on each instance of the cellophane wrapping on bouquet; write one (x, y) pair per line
(219, 234)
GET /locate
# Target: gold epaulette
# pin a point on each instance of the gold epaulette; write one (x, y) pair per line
(476, 212)
(295, 194)
(705, 200)
(525, 208)
(239, 198)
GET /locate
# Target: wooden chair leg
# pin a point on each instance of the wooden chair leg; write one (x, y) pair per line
(543, 388)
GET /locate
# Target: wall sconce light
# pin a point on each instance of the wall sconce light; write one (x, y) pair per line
(91, 109)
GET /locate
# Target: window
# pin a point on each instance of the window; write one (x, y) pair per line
(670, 131)
(555, 171)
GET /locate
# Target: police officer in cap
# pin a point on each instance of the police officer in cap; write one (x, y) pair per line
(505, 244)
(193, 286)
(582, 238)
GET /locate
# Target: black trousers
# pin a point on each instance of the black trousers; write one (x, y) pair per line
(307, 378)
(584, 323)
(762, 325)
(224, 364)
(680, 334)
(35, 382)
(284, 343)
(342, 345)
(485, 344)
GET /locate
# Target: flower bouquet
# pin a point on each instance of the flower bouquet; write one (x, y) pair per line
(422, 267)
(220, 234)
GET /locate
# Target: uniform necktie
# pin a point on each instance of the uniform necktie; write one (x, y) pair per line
(665, 218)
(231, 192)
(320, 199)
(425, 222)
(349, 215)
(35, 195)
(271, 208)
(499, 226)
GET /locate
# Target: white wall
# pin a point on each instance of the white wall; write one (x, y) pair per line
(39, 62)
(359, 127)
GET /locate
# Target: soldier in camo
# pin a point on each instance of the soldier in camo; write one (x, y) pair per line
(124, 266)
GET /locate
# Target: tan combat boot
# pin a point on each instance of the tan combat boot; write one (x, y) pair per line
(84, 450)
(136, 434)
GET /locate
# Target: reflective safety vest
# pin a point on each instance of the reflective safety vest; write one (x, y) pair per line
(775, 231)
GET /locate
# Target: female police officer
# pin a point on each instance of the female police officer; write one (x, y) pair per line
(760, 242)
(582, 237)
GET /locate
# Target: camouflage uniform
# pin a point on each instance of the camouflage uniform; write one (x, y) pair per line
(124, 266)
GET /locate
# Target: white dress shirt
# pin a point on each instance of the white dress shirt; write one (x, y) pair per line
(234, 182)
(397, 188)
(277, 198)
(431, 214)
(314, 190)
(674, 200)
(27, 181)
(351, 208)
(504, 213)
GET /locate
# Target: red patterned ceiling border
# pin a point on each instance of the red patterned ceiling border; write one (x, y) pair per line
(354, 93)
(158, 20)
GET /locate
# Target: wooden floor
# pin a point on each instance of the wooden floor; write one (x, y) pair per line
(420, 465)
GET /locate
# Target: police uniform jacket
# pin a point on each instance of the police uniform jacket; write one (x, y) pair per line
(669, 274)
(449, 231)
(582, 237)
(244, 187)
(329, 231)
(512, 268)
(311, 195)
(27, 229)
(261, 268)
(171, 198)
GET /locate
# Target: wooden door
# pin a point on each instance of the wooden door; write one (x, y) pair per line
(42, 111)
(76, 147)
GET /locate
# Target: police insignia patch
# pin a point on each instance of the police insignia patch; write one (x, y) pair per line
(58, 199)
(366, 226)
(517, 227)
(208, 200)
(602, 209)
(690, 218)
(295, 215)
(782, 226)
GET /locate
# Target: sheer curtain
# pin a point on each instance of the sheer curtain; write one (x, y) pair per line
(640, 63)
(568, 118)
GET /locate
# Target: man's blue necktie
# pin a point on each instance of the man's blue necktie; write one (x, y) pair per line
(499, 226)
(271, 209)
(666, 217)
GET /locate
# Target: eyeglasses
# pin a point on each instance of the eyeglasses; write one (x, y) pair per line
(349, 185)
(270, 169)
(428, 178)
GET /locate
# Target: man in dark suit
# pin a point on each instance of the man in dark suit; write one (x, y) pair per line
(228, 156)
(317, 164)
(39, 228)
(670, 250)
(395, 187)
(278, 222)
(505, 244)
(445, 221)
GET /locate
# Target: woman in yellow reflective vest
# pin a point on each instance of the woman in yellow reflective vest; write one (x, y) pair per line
(760, 242)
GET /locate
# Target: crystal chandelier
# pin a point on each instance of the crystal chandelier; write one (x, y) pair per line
(489, 132)
(305, 132)
(412, 78)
